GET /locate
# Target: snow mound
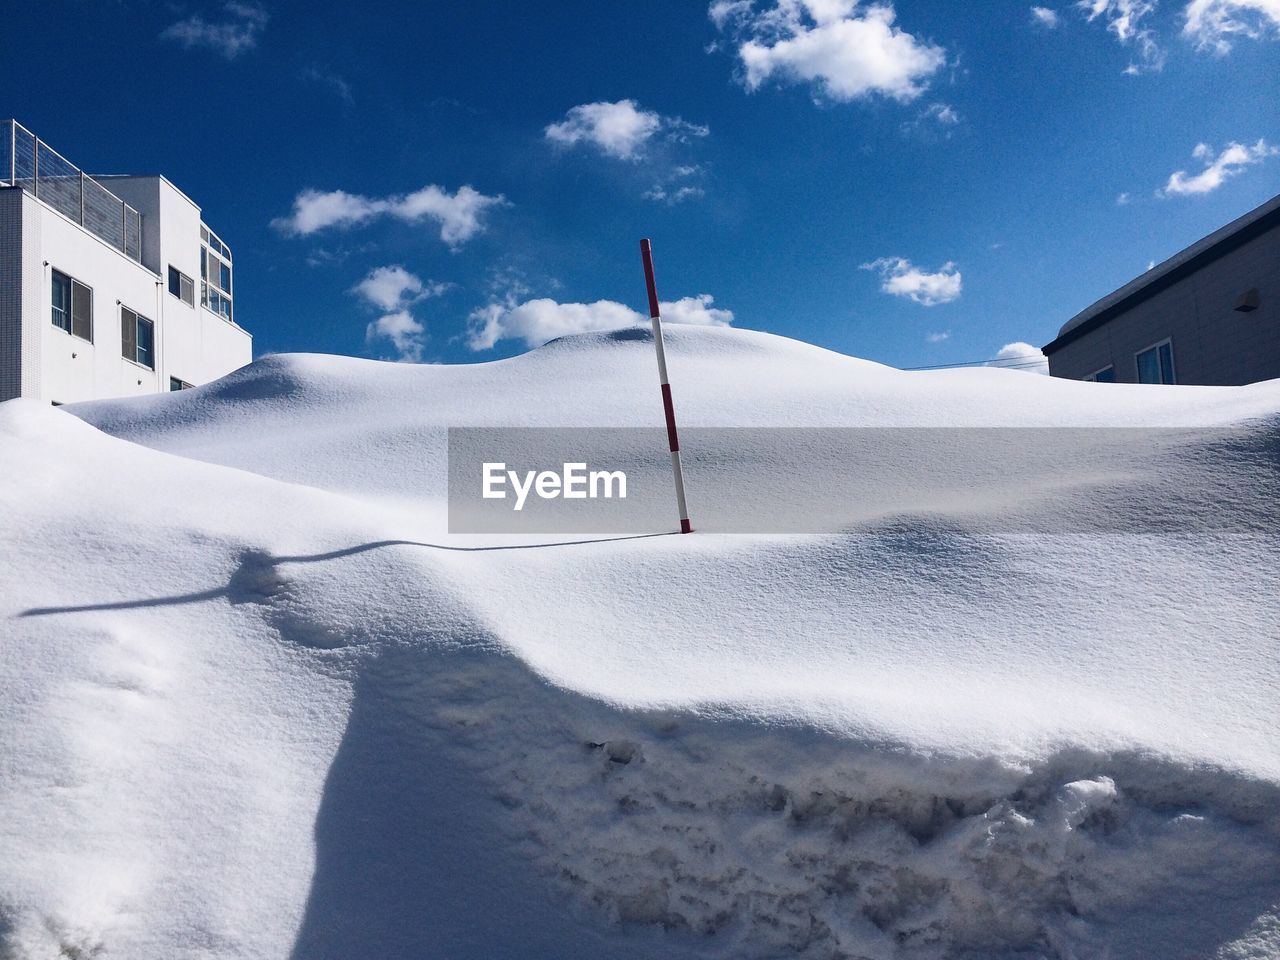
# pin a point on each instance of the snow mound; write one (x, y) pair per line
(256, 702)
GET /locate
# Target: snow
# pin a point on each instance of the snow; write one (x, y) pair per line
(256, 701)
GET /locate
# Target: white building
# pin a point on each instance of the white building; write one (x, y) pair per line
(109, 286)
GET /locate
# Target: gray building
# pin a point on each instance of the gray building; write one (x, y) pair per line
(1207, 315)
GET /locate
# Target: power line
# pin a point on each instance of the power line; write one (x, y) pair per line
(1009, 363)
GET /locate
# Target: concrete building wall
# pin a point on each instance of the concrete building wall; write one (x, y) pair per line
(10, 293)
(199, 345)
(41, 360)
(1213, 343)
(143, 194)
(73, 368)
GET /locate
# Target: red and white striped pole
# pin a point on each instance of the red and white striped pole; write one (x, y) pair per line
(646, 254)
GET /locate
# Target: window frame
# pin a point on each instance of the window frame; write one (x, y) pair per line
(1093, 377)
(138, 320)
(70, 310)
(215, 257)
(190, 298)
(1173, 366)
(54, 308)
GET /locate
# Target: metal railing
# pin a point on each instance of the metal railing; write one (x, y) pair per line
(28, 162)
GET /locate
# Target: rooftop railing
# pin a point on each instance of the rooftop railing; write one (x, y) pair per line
(28, 162)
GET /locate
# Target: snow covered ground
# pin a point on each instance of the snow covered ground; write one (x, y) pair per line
(256, 702)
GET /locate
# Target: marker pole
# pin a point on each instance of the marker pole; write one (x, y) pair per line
(646, 254)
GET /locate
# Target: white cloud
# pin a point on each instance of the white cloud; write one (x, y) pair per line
(333, 81)
(1044, 17)
(1125, 19)
(406, 334)
(230, 37)
(678, 185)
(938, 337)
(943, 113)
(674, 195)
(903, 279)
(620, 129)
(1123, 200)
(933, 121)
(722, 12)
(1211, 23)
(537, 321)
(458, 214)
(1217, 169)
(847, 52)
(1021, 356)
(394, 287)
(695, 310)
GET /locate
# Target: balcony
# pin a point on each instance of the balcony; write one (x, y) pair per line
(29, 163)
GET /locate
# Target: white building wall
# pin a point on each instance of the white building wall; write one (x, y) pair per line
(72, 368)
(31, 270)
(198, 344)
(192, 343)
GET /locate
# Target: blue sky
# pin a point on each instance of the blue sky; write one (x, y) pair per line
(919, 183)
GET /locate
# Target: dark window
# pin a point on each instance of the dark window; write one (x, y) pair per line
(129, 335)
(1155, 364)
(175, 384)
(182, 287)
(81, 310)
(72, 306)
(137, 338)
(1105, 375)
(62, 301)
(146, 343)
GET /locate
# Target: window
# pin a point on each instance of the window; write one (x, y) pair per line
(72, 306)
(137, 338)
(182, 286)
(215, 274)
(1105, 375)
(81, 311)
(175, 385)
(62, 301)
(1155, 364)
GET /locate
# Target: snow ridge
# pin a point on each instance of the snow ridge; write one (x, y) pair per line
(256, 702)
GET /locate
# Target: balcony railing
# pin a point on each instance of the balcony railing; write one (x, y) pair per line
(28, 162)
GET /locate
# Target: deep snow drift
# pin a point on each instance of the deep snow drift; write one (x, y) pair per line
(256, 702)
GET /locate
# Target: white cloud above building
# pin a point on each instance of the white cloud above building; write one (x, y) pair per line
(1214, 24)
(1219, 167)
(842, 50)
(1128, 21)
(619, 129)
(1044, 17)
(460, 215)
(899, 277)
(236, 32)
